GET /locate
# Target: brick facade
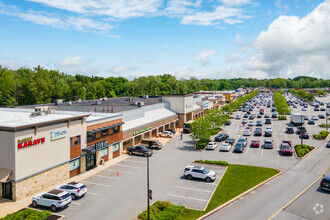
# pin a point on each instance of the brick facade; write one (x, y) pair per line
(75, 151)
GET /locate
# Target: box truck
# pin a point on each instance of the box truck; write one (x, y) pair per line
(297, 118)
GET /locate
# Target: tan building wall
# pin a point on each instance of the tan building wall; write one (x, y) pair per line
(42, 156)
(82, 164)
(180, 103)
(7, 151)
(40, 181)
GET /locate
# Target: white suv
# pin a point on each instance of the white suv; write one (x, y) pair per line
(199, 172)
(74, 188)
(54, 199)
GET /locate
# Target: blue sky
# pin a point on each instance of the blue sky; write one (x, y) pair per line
(197, 38)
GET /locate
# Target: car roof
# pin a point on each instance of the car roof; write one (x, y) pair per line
(255, 141)
(195, 167)
(268, 140)
(286, 141)
(285, 144)
(56, 192)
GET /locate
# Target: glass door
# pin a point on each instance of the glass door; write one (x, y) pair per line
(6, 190)
(90, 161)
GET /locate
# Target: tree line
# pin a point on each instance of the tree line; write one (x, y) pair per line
(38, 85)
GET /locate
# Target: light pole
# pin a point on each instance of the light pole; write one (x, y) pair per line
(326, 116)
(301, 137)
(149, 192)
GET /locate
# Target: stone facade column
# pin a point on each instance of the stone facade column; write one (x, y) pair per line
(110, 148)
(182, 118)
(82, 164)
(121, 148)
(98, 158)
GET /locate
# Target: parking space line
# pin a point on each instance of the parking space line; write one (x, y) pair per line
(247, 151)
(109, 177)
(89, 193)
(135, 161)
(122, 165)
(120, 171)
(262, 151)
(98, 184)
(278, 155)
(200, 190)
(184, 197)
(76, 203)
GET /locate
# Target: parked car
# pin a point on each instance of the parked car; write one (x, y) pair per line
(287, 142)
(140, 150)
(172, 130)
(211, 146)
(322, 109)
(286, 149)
(325, 183)
(289, 130)
(251, 123)
(304, 135)
(199, 172)
(259, 116)
(225, 147)
(300, 129)
(304, 109)
(75, 189)
(221, 137)
(266, 116)
(268, 121)
(258, 132)
(315, 118)
(166, 134)
(54, 199)
(243, 140)
(247, 132)
(152, 143)
(328, 144)
(306, 117)
(239, 147)
(228, 122)
(311, 122)
(255, 143)
(259, 123)
(245, 115)
(244, 121)
(238, 117)
(321, 116)
(268, 144)
(230, 141)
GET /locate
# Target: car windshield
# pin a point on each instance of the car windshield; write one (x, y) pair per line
(205, 171)
(285, 147)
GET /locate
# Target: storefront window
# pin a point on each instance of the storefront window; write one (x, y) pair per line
(74, 164)
(104, 152)
(75, 140)
(90, 136)
(116, 129)
(115, 147)
(100, 145)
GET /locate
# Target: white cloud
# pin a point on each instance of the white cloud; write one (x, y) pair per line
(121, 69)
(221, 13)
(292, 46)
(185, 72)
(204, 56)
(235, 2)
(232, 57)
(182, 7)
(72, 64)
(11, 64)
(280, 5)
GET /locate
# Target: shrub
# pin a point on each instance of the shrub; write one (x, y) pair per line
(324, 125)
(218, 162)
(302, 150)
(28, 214)
(282, 117)
(321, 135)
(201, 144)
(162, 210)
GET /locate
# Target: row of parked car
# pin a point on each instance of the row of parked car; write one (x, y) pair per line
(61, 196)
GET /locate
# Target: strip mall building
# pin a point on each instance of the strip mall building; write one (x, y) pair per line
(41, 148)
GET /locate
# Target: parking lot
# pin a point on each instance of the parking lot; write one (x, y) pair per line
(120, 192)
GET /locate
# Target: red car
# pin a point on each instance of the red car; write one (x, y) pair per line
(255, 143)
(286, 149)
(262, 110)
(287, 142)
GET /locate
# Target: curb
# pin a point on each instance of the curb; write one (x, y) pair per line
(238, 197)
(300, 158)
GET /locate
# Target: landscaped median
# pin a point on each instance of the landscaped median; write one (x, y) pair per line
(237, 180)
(302, 151)
(28, 214)
(321, 135)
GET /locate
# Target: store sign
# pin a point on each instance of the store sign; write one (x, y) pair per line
(206, 105)
(27, 142)
(142, 130)
(55, 135)
(188, 105)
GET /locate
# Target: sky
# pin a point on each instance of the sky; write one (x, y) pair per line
(185, 38)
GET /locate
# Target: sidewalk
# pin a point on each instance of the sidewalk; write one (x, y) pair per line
(9, 206)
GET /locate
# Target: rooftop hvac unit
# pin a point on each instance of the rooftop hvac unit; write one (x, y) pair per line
(145, 96)
(41, 108)
(51, 112)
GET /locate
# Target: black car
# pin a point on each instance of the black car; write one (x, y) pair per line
(268, 121)
(245, 116)
(266, 116)
(304, 135)
(259, 123)
(274, 115)
(268, 134)
(325, 183)
(228, 122)
(230, 141)
(258, 132)
(289, 130)
(221, 137)
(321, 116)
(301, 130)
(259, 116)
(328, 144)
(239, 147)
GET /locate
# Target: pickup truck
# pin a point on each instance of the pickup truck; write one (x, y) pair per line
(140, 150)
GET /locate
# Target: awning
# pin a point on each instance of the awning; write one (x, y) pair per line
(105, 128)
(89, 149)
(4, 174)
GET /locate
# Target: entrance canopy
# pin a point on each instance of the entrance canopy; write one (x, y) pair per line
(4, 174)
